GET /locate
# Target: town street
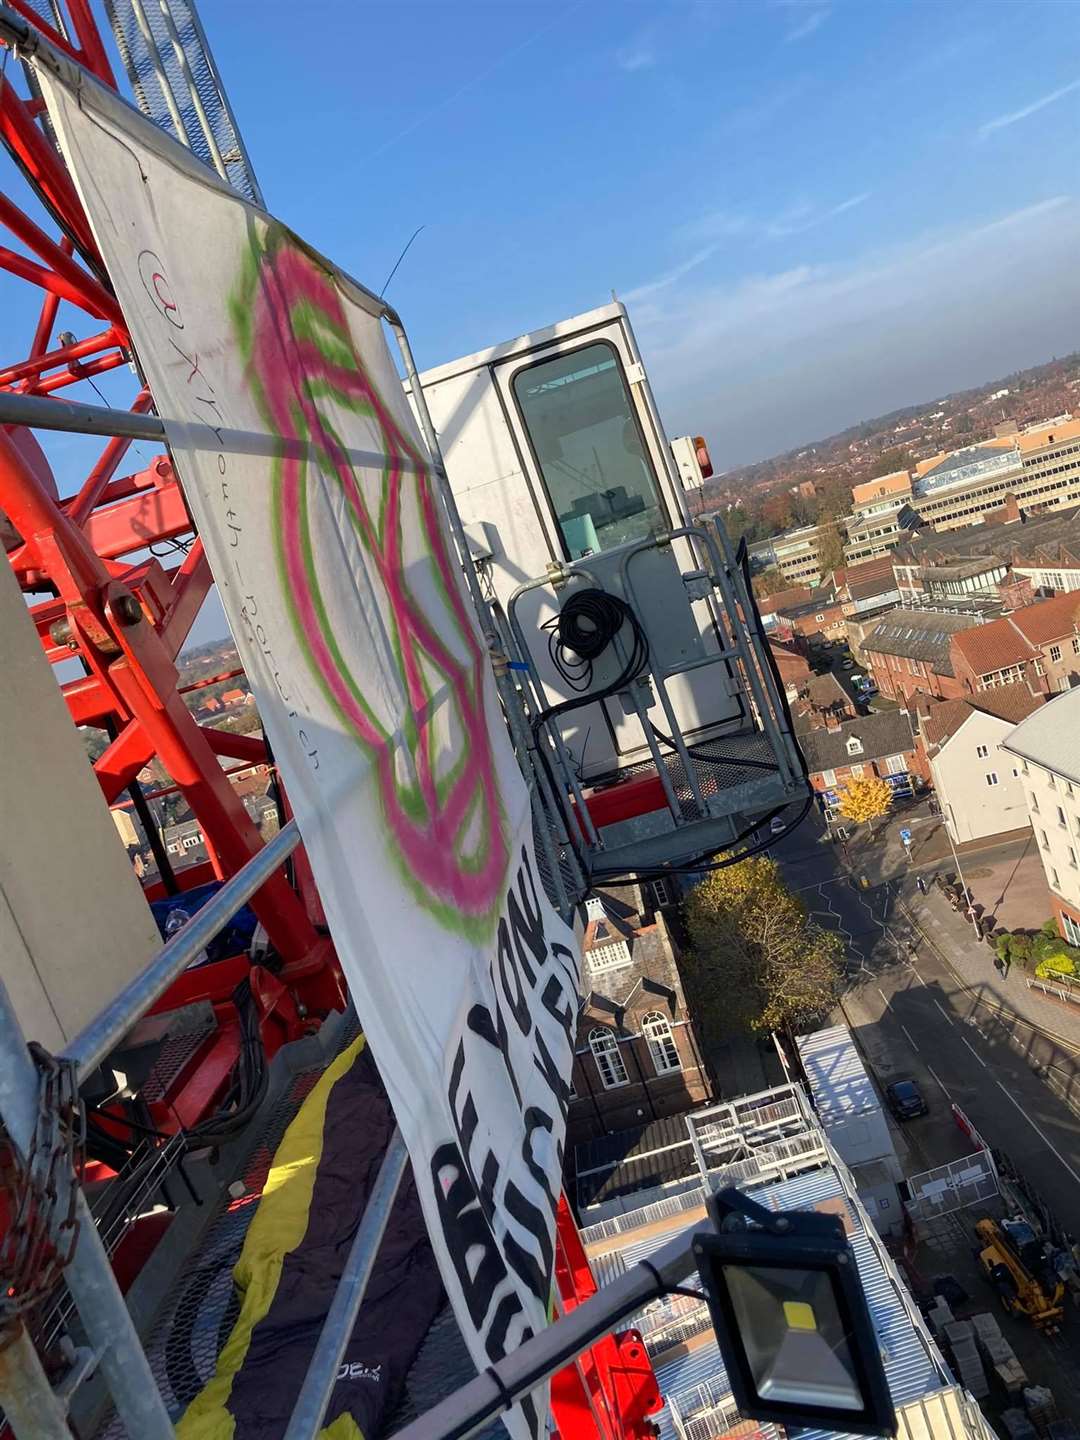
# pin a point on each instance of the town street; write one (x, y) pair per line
(915, 1017)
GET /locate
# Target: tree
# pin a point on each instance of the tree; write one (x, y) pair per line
(865, 797)
(769, 582)
(888, 462)
(756, 960)
(776, 512)
(830, 548)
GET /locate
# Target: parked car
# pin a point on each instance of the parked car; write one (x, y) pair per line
(778, 825)
(905, 1100)
(847, 663)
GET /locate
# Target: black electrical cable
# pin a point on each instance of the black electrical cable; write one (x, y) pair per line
(247, 1089)
(586, 625)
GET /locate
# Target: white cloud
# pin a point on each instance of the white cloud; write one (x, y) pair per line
(807, 216)
(639, 54)
(805, 17)
(662, 282)
(1002, 122)
(770, 360)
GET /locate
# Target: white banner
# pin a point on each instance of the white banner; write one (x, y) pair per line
(312, 494)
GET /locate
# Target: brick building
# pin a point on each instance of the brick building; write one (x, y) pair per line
(908, 651)
(1039, 645)
(879, 744)
(816, 621)
(637, 1057)
(821, 702)
(793, 668)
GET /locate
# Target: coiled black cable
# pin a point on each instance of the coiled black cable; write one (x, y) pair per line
(585, 627)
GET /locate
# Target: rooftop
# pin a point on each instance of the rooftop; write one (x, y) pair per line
(643, 1158)
(996, 646)
(1050, 737)
(693, 1380)
(838, 1079)
(882, 733)
(922, 634)
(1048, 620)
(1010, 703)
(1038, 537)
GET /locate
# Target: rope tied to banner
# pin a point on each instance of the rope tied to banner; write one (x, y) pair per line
(41, 1191)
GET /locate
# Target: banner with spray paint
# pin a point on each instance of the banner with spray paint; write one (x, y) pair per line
(314, 498)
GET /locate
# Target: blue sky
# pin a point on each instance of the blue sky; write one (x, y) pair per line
(816, 210)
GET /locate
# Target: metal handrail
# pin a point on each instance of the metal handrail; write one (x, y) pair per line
(109, 1027)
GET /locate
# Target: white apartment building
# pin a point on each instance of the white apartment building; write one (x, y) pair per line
(980, 789)
(1047, 748)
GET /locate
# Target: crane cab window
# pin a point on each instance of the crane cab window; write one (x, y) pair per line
(580, 420)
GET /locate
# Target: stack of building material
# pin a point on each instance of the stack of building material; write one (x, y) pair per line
(999, 1354)
(940, 1315)
(1040, 1407)
(961, 1337)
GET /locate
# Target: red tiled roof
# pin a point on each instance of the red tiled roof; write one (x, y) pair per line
(1048, 619)
(1011, 703)
(879, 568)
(994, 646)
(944, 720)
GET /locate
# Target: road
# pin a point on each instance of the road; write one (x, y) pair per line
(914, 1019)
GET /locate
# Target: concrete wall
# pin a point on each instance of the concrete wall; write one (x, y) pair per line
(971, 806)
(74, 925)
(1057, 834)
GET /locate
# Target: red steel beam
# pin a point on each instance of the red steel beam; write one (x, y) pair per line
(39, 361)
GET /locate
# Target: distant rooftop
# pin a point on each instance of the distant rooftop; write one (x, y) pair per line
(922, 634)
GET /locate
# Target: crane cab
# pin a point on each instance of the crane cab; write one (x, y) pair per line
(567, 486)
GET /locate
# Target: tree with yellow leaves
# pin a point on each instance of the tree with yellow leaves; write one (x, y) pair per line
(865, 797)
(756, 960)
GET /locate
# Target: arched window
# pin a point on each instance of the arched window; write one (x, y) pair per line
(609, 1062)
(662, 1047)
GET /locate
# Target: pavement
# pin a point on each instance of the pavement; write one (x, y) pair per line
(1004, 872)
(925, 1003)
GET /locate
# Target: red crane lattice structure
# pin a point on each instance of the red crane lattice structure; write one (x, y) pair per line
(126, 616)
(110, 603)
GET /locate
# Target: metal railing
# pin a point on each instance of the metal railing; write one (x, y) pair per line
(645, 1215)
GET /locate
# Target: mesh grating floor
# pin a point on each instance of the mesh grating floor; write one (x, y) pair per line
(717, 765)
(190, 1332)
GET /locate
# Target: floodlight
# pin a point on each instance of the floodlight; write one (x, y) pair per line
(791, 1318)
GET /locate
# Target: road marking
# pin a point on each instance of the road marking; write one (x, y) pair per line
(911, 1042)
(1048, 1143)
(971, 1047)
(941, 1082)
(921, 981)
(884, 997)
(944, 1014)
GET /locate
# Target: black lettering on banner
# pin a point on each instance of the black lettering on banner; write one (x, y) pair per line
(515, 998)
(547, 1067)
(467, 1235)
(481, 1023)
(553, 993)
(527, 920)
(498, 1207)
(537, 1119)
(536, 1275)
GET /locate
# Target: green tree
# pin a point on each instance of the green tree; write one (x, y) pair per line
(865, 798)
(756, 960)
